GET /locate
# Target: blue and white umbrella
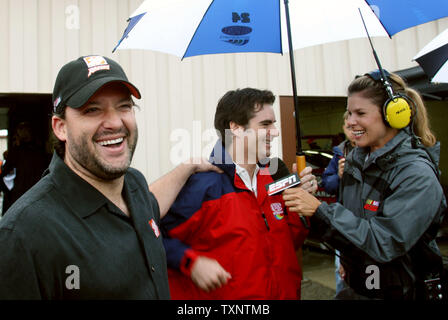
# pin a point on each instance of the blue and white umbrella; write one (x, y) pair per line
(433, 58)
(398, 15)
(196, 27)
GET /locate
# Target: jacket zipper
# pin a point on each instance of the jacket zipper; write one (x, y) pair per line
(262, 213)
(265, 220)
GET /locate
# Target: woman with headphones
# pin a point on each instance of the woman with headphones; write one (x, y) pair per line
(391, 201)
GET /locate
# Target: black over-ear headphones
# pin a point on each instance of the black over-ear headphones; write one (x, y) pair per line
(397, 110)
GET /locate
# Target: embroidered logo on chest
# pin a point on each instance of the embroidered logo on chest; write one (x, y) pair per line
(154, 227)
(371, 205)
(277, 210)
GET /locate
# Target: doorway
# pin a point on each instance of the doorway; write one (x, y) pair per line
(25, 107)
(24, 142)
(320, 124)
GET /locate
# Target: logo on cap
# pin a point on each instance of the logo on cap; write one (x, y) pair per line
(96, 63)
(56, 102)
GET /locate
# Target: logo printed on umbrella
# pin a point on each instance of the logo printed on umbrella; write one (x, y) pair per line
(244, 17)
(236, 30)
(237, 35)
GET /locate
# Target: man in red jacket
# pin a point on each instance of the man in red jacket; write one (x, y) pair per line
(225, 238)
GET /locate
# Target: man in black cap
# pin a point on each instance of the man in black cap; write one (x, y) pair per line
(89, 228)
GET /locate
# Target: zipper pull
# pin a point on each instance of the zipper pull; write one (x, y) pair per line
(265, 221)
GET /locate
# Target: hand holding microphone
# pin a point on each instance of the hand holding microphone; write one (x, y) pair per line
(280, 174)
(308, 181)
(301, 201)
(291, 184)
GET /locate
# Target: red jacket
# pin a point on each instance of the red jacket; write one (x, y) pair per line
(254, 239)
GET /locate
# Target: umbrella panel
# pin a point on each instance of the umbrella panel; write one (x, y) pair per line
(398, 15)
(131, 24)
(172, 26)
(433, 61)
(433, 58)
(238, 28)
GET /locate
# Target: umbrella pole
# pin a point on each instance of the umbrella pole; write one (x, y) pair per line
(300, 156)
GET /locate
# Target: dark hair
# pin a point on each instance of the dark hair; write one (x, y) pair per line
(374, 90)
(58, 145)
(240, 106)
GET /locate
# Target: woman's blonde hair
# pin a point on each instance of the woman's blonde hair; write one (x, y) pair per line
(374, 90)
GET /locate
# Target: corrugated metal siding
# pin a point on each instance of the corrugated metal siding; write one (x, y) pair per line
(179, 97)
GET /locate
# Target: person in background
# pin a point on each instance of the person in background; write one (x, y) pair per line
(24, 167)
(225, 237)
(333, 173)
(391, 202)
(330, 182)
(6, 182)
(89, 228)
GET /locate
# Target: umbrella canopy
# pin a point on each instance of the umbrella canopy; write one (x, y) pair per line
(197, 27)
(189, 28)
(398, 15)
(433, 58)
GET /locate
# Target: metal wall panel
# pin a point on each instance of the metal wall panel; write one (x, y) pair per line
(179, 97)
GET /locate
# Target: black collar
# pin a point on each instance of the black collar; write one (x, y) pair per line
(77, 193)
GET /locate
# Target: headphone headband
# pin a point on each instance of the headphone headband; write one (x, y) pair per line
(376, 75)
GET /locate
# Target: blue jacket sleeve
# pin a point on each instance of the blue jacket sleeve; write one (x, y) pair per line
(200, 188)
(330, 178)
(175, 250)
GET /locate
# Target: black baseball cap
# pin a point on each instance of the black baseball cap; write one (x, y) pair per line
(79, 79)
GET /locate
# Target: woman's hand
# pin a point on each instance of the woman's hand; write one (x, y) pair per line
(300, 201)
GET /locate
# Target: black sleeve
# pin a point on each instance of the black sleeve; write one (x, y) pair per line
(18, 279)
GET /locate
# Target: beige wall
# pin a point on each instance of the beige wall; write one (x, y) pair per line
(179, 97)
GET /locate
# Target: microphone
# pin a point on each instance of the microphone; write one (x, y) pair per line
(277, 168)
(282, 180)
